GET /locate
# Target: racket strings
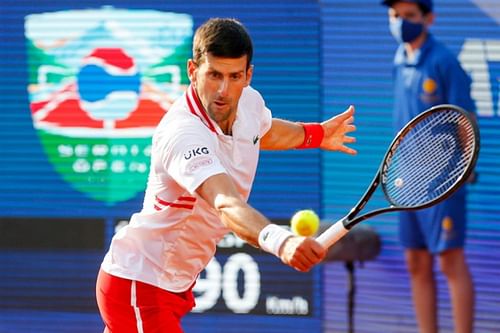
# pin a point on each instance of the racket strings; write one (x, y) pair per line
(415, 166)
(429, 159)
(449, 175)
(418, 190)
(450, 169)
(432, 155)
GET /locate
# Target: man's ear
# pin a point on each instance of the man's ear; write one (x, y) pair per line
(429, 19)
(249, 75)
(191, 70)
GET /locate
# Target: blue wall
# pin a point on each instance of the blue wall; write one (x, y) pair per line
(312, 59)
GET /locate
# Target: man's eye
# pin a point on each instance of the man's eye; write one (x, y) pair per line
(213, 75)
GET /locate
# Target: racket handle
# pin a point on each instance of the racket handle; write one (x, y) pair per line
(332, 235)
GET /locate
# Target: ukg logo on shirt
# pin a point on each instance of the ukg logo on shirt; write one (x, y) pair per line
(99, 83)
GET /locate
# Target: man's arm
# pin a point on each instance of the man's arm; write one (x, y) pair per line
(219, 191)
(285, 134)
(458, 88)
(457, 84)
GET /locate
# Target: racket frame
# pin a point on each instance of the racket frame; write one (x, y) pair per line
(341, 227)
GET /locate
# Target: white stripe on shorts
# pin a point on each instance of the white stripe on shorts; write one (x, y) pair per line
(133, 302)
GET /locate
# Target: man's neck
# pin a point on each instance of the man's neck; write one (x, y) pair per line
(413, 47)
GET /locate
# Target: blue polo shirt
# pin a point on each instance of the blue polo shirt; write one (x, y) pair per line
(433, 77)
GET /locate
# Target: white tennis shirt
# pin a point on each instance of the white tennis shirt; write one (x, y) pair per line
(173, 238)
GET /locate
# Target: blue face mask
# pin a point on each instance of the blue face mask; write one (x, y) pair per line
(405, 31)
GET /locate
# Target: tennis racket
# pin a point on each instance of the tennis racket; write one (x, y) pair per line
(428, 160)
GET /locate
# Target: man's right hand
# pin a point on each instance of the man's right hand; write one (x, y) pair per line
(302, 253)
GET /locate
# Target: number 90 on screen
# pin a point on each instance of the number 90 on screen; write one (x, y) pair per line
(222, 281)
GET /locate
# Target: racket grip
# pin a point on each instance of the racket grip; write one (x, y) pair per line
(332, 235)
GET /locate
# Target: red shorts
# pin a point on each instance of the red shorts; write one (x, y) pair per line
(128, 306)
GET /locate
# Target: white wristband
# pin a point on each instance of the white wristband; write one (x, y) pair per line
(272, 237)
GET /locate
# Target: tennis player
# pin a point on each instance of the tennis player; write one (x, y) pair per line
(427, 74)
(203, 161)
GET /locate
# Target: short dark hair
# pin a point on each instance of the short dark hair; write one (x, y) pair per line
(222, 37)
(425, 6)
(424, 9)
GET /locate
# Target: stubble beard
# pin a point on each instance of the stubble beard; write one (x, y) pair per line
(219, 117)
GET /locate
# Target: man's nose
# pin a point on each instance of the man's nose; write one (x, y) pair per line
(223, 87)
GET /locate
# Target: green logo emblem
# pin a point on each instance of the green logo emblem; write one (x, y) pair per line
(99, 86)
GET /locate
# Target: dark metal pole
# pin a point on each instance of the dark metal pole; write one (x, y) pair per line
(351, 292)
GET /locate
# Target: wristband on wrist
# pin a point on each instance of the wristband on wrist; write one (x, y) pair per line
(313, 135)
(272, 237)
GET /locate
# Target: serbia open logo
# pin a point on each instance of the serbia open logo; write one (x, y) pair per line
(99, 83)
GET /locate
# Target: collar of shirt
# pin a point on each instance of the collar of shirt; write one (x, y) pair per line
(196, 108)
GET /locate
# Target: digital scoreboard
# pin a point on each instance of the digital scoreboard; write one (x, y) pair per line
(244, 279)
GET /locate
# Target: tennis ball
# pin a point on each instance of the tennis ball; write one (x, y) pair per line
(305, 223)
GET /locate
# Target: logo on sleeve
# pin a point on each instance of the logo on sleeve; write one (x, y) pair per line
(194, 152)
(196, 158)
(198, 163)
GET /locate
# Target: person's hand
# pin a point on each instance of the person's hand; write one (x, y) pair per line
(472, 179)
(335, 130)
(302, 253)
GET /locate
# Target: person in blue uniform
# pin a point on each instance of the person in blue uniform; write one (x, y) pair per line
(426, 73)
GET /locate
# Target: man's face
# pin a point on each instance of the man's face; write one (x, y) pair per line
(408, 11)
(219, 83)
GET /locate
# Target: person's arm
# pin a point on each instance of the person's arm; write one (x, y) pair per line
(457, 85)
(458, 92)
(247, 223)
(285, 134)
